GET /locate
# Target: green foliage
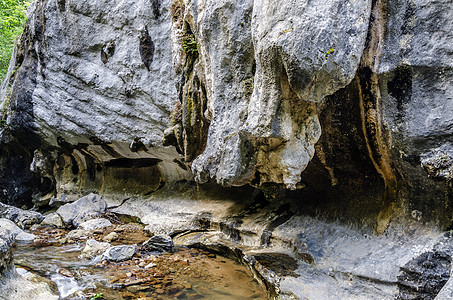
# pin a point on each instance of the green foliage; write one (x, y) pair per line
(330, 51)
(189, 44)
(97, 296)
(12, 20)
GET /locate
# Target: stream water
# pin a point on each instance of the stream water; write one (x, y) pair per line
(184, 274)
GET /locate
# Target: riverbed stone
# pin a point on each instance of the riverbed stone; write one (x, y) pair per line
(60, 201)
(77, 234)
(8, 226)
(54, 220)
(25, 237)
(23, 218)
(112, 236)
(86, 208)
(95, 224)
(119, 253)
(159, 243)
(94, 248)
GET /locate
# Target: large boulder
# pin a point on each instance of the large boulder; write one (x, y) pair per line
(8, 226)
(84, 209)
(23, 218)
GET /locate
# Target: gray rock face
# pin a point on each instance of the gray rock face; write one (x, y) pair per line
(95, 224)
(119, 253)
(25, 237)
(159, 243)
(117, 58)
(10, 227)
(94, 248)
(84, 209)
(294, 67)
(53, 219)
(23, 218)
(8, 232)
(94, 78)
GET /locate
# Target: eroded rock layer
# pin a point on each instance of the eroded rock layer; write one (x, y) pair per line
(339, 110)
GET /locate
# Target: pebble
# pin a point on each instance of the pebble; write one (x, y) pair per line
(65, 272)
(160, 291)
(150, 265)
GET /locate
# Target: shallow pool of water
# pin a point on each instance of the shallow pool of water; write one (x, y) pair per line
(184, 274)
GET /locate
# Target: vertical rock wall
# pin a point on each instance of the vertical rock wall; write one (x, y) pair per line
(347, 102)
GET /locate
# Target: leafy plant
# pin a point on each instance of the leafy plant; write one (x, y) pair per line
(189, 44)
(97, 296)
(12, 20)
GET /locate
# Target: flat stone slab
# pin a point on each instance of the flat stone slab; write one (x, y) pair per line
(119, 253)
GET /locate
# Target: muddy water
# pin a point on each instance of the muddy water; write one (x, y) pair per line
(184, 274)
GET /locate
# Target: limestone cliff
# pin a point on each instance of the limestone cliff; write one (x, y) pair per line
(343, 107)
(321, 111)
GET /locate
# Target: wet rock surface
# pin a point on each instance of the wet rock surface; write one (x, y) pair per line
(119, 253)
(84, 209)
(424, 276)
(23, 218)
(53, 219)
(159, 243)
(95, 224)
(184, 274)
(94, 248)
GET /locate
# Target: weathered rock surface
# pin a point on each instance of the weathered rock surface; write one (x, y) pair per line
(120, 63)
(159, 243)
(112, 236)
(8, 232)
(10, 226)
(10, 229)
(23, 218)
(94, 248)
(294, 67)
(25, 237)
(356, 95)
(77, 233)
(339, 90)
(119, 253)
(84, 209)
(29, 286)
(95, 224)
(54, 220)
